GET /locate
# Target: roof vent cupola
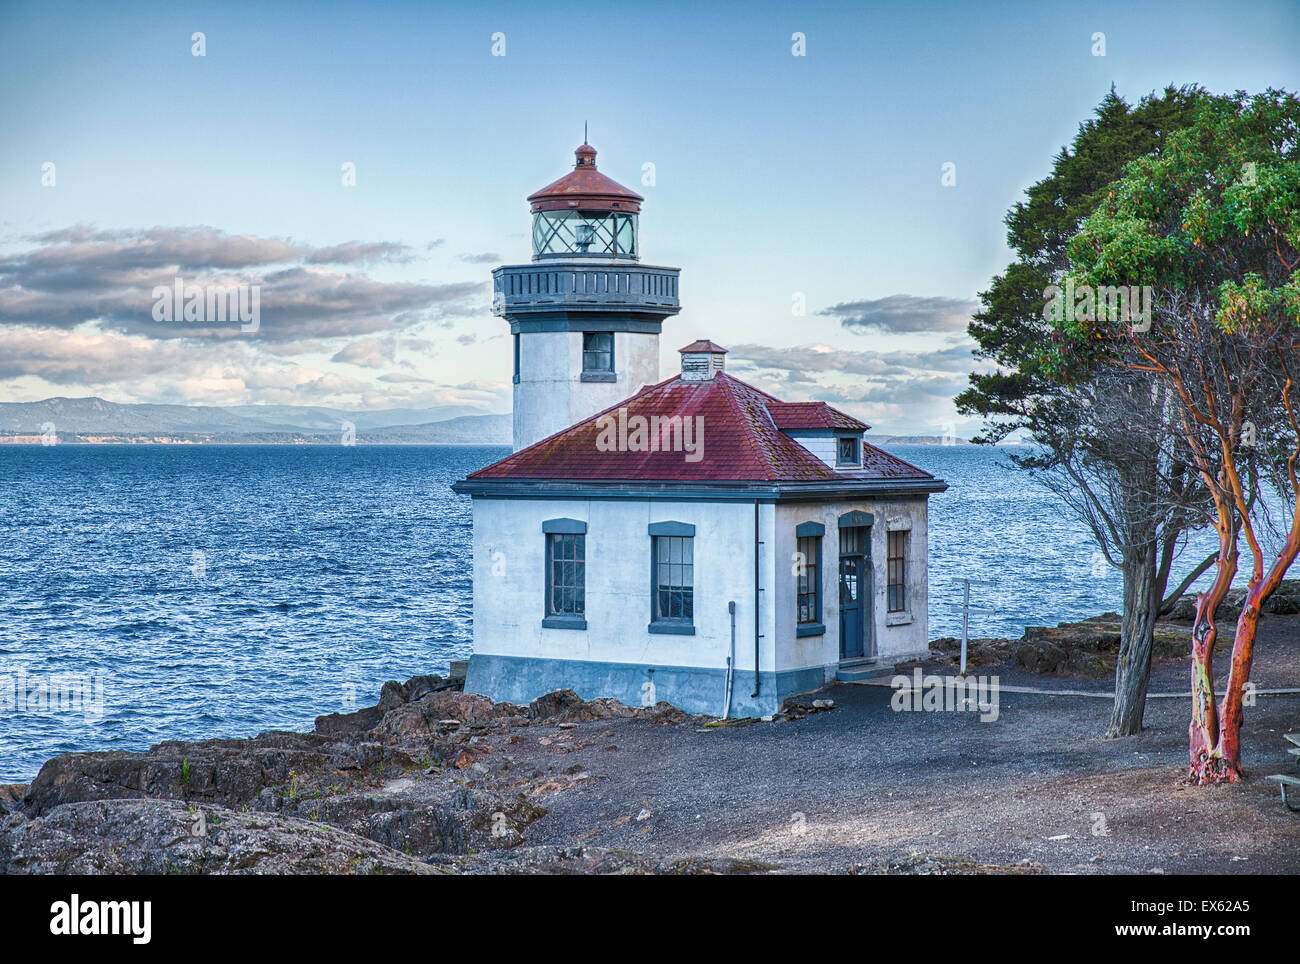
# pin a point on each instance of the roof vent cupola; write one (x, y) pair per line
(702, 360)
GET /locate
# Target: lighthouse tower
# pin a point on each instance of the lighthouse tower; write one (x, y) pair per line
(585, 314)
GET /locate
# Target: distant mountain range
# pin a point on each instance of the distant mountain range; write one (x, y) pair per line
(916, 440)
(94, 420)
(97, 420)
(464, 430)
(315, 418)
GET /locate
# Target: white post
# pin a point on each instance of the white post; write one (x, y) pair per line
(965, 623)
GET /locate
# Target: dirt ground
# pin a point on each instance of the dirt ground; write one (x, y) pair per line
(433, 780)
(865, 788)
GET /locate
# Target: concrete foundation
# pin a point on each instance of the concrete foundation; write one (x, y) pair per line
(521, 679)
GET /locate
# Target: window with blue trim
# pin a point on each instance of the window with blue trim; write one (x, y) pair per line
(674, 578)
(567, 577)
(598, 351)
(897, 572)
(809, 579)
(566, 573)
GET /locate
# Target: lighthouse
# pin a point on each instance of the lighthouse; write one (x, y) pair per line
(647, 526)
(585, 314)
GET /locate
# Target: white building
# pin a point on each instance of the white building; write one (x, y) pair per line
(683, 540)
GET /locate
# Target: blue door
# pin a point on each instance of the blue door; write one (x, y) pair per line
(855, 590)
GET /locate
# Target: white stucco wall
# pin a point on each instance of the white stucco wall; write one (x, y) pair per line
(510, 579)
(550, 394)
(894, 635)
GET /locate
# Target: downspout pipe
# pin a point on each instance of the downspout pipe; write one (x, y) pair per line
(731, 662)
(756, 606)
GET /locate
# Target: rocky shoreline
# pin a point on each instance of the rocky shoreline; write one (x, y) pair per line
(419, 783)
(429, 780)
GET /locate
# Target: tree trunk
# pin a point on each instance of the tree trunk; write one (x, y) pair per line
(1207, 765)
(1142, 594)
(1262, 586)
(1230, 709)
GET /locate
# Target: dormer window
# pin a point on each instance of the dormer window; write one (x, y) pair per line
(847, 453)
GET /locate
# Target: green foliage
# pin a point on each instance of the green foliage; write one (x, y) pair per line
(1009, 327)
(1216, 216)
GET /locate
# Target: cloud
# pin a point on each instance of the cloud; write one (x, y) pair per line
(897, 392)
(902, 314)
(911, 393)
(81, 250)
(128, 367)
(487, 257)
(81, 274)
(92, 357)
(368, 353)
(356, 252)
(801, 362)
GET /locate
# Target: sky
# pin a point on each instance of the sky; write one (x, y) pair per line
(778, 181)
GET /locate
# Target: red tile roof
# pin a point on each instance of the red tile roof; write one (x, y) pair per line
(792, 416)
(741, 443)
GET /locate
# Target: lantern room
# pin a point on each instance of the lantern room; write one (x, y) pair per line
(585, 215)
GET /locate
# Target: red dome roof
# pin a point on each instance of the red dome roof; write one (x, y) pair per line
(586, 189)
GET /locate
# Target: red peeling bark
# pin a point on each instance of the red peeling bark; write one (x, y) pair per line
(1214, 735)
(1225, 763)
(1203, 731)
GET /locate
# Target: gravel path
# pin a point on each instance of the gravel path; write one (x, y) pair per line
(865, 786)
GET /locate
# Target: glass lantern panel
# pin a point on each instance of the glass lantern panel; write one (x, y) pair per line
(600, 234)
(626, 235)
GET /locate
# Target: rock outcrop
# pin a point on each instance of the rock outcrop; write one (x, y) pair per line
(1285, 601)
(1088, 647)
(142, 836)
(400, 787)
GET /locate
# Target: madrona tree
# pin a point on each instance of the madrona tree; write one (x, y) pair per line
(1212, 224)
